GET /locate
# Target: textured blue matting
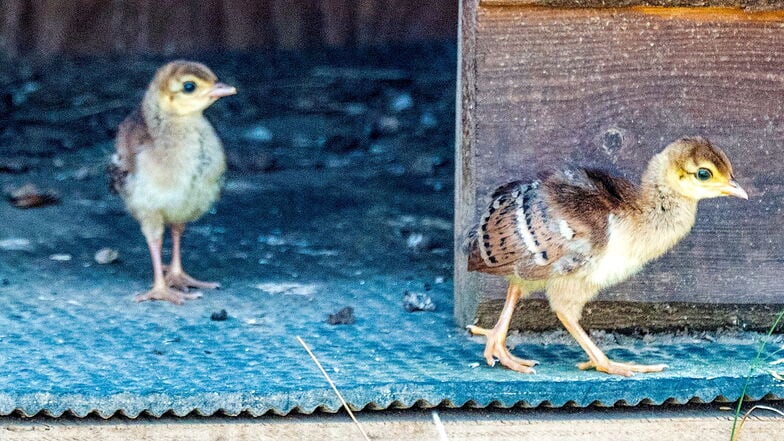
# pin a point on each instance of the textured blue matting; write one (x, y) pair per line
(72, 340)
(329, 224)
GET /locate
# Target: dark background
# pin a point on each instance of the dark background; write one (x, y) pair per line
(172, 26)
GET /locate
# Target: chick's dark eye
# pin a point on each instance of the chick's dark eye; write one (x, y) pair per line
(188, 86)
(704, 174)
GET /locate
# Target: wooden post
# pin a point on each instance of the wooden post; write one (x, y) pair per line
(545, 86)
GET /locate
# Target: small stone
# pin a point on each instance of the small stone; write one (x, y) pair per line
(343, 317)
(401, 103)
(219, 316)
(105, 256)
(355, 109)
(418, 301)
(29, 196)
(258, 134)
(418, 241)
(386, 125)
(82, 173)
(16, 244)
(61, 257)
(273, 240)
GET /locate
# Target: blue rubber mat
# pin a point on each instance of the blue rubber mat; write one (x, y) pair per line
(84, 351)
(72, 340)
(343, 199)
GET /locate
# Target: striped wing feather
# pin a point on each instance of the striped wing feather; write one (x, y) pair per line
(543, 229)
(515, 235)
(132, 138)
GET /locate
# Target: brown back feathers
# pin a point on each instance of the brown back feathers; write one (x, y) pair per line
(546, 228)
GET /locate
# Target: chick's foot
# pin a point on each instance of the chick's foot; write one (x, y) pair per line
(495, 348)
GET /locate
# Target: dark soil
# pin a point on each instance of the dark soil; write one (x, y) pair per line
(339, 157)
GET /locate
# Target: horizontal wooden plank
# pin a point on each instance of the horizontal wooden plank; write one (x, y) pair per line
(611, 88)
(630, 316)
(743, 4)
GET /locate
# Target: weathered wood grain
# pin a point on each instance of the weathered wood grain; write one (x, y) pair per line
(611, 88)
(466, 300)
(96, 26)
(631, 316)
(745, 4)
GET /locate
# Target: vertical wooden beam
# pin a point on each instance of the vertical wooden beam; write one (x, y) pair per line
(466, 298)
(52, 21)
(338, 22)
(11, 12)
(288, 23)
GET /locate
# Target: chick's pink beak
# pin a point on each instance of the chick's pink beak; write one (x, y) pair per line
(220, 90)
(734, 189)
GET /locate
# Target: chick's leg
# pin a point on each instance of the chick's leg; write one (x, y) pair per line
(160, 290)
(596, 358)
(176, 276)
(496, 337)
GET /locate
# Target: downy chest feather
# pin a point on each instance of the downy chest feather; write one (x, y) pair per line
(185, 157)
(179, 175)
(632, 242)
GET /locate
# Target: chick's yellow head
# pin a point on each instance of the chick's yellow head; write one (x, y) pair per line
(187, 87)
(699, 170)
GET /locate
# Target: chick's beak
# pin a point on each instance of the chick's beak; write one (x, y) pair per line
(220, 90)
(734, 189)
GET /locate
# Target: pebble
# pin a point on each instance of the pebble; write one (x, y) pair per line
(258, 134)
(418, 242)
(401, 102)
(343, 317)
(16, 244)
(418, 301)
(386, 125)
(106, 256)
(219, 316)
(29, 196)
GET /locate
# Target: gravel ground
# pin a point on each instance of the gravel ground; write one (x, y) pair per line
(329, 153)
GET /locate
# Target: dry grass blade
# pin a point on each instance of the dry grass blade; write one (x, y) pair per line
(752, 368)
(736, 436)
(334, 388)
(442, 436)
